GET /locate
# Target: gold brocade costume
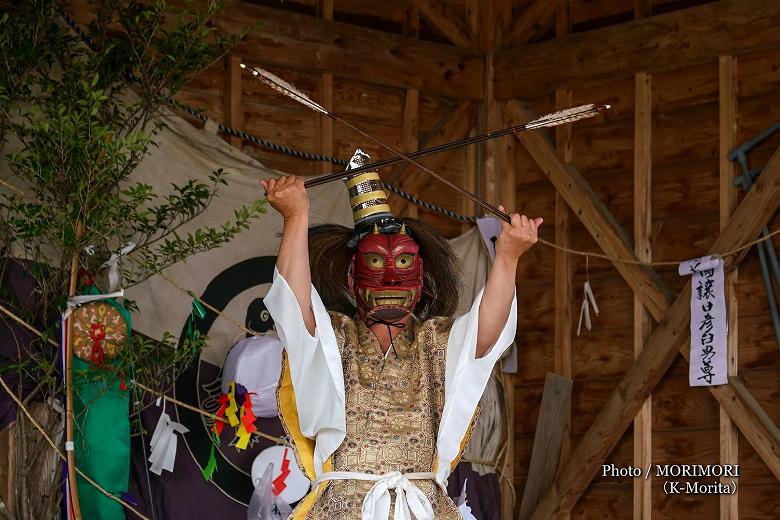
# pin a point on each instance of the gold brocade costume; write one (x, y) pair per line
(393, 407)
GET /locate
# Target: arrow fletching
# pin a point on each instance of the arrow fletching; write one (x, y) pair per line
(284, 87)
(567, 115)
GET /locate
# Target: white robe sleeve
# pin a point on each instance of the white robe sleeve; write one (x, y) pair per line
(315, 368)
(465, 379)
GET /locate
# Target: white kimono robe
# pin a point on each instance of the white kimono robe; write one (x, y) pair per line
(318, 381)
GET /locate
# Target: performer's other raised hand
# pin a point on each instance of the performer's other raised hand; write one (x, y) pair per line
(287, 195)
(519, 237)
(515, 239)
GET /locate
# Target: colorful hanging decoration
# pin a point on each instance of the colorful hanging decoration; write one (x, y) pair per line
(100, 328)
(198, 312)
(99, 332)
(238, 416)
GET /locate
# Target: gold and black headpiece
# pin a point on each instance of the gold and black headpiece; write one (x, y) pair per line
(368, 200)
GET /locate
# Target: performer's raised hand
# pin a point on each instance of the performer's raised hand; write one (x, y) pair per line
(518, 237)
(287, 195)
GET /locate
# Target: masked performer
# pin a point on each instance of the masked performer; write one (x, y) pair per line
(380, 383)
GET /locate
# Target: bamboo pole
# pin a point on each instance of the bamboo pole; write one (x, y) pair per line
(70, 454)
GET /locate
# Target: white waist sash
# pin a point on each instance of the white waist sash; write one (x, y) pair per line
(376, 504)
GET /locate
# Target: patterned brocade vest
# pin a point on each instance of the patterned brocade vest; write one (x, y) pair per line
(393, 407)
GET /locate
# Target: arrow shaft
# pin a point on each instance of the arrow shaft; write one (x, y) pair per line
(413, 155)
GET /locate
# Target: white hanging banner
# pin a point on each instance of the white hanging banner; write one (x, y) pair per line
(709, 326)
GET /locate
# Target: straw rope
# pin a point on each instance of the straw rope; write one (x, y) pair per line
(553, 245)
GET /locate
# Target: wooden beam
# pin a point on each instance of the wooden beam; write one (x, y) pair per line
(562, 336)
(563, 270)
(409, 130)
(233, 111)
(642, 8)
(593, 214)
(275, 37)
(729, 434)
(493, 167)
(449, 23)
(563, 18)
(325, 126)
(409, 137)
(532, 23)
(325, 95)
(674, 40)
(307, 43)
(468, 206)
(671, 335)
(643, 186)
(546, 451)
(456, 126)
(411, 22)
(506, 165)
(504, 178)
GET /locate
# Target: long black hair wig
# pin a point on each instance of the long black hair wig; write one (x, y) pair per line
(330, 257)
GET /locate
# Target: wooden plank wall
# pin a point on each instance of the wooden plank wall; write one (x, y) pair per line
(685, 207)
(685, 220)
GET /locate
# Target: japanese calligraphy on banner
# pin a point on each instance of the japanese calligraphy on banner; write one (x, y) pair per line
(709, 327)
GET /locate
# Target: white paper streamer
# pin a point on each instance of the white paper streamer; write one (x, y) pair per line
(164, 443)
(588, 301)
(113, 266)
(80, 299)
(709, 326)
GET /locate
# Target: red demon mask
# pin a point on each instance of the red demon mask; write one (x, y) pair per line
(388, 275)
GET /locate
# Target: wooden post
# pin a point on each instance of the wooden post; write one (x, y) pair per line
(70, 454)
(232, 97)
(551, 428)
(409, 139)
(491, 116)
(563, 269)
(729, 434)
(325, 127)
(643, 431)
(470, 172)
(410, 128)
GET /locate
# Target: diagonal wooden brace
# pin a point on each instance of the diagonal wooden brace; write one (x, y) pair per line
(669, 337)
